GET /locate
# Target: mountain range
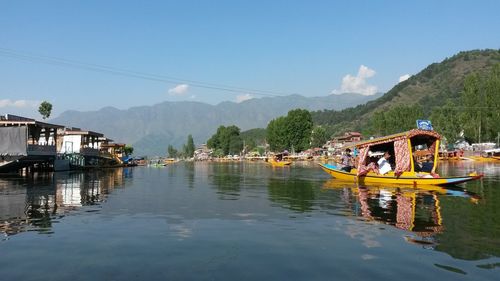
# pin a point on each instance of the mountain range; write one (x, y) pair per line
(150, 129)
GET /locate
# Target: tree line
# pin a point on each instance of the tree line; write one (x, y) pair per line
(476, 112)
(187, 150)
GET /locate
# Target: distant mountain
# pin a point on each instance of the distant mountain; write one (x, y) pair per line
(150, 129)
(431, 87)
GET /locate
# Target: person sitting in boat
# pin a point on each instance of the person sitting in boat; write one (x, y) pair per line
(383, 164)
(347, 161)
(372, 166)
(425, 165)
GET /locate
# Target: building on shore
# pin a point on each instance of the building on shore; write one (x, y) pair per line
(25, 142)
(31, 144)
(335, 145)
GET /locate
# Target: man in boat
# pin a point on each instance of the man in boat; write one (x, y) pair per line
(426, 166)
(383, 164)
(347, 163)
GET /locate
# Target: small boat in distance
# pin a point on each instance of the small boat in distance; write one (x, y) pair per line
(277, 163)
(404, 149)
(278, 160)
(488, 155)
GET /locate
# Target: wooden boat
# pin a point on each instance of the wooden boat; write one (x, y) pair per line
(403, 147)
(489, 155)
(455, 155)
(276, 163)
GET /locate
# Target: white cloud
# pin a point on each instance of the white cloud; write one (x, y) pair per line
(19, 103)
(242, 98)
(357, 84)
(404, 77)
(179, 90)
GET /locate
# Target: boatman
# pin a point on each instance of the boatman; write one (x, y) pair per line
(347, 161)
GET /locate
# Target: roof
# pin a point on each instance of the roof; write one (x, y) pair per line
(91, 133)
(12, 120)
(398, 136)
(113, 145)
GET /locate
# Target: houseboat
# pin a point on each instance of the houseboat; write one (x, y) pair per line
(26, 143)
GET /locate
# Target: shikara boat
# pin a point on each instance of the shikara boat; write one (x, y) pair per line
(404, 149)
(490, 155)
(276, 163)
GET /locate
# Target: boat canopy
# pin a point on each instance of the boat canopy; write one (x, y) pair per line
(402, 147)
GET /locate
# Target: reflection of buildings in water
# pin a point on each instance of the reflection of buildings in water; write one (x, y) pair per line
(80, 189)
(34, 203)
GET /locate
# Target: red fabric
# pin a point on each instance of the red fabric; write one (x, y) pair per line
(363, 170)
(404, 215)
(402, 154)
(363, 153)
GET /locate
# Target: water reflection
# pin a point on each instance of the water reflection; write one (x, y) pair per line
(294, 194)
(35, 203)
(418, 211)
(227, 178)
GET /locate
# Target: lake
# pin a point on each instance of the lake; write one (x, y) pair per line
(246, 221)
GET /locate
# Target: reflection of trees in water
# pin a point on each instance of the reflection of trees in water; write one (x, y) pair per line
(227, 179)
(294, 194)
(472, 230)
(33, 203)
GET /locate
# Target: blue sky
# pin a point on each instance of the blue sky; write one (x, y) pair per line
(313, 48)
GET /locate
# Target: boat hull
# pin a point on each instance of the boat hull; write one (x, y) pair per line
(275, 163)
(405, 179)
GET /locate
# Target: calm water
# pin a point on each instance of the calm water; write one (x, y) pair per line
(245, 221)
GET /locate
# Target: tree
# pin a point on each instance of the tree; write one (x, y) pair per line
(319, 136)
(172, 152)
(276, 134)
(190, 146)
(293, 130)
(397, 119)
(128, 150)
(299, 126)
(446, 121)
(227, 139)
(45, 109)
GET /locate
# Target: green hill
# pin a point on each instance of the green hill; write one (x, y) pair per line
(435, 86)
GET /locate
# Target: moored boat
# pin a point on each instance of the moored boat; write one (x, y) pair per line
(405, 149)
(277, 163)
(489, 155)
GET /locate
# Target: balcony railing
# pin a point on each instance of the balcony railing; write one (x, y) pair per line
(88, 151)
(41, 150)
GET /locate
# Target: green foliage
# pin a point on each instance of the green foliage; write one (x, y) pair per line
(319, 136)
(189, 147)
(128, 150)
(227, 139)
(260, 150)
(291, 131)
(253, 138)
(172, 152)
(480, 100)
(277, 135)
(398, 119)
(446, 121)
(432, 87)
(45, 109)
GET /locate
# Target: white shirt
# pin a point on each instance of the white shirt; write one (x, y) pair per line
(383, 166)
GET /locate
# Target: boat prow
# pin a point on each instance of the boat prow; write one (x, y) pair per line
(407, 178)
